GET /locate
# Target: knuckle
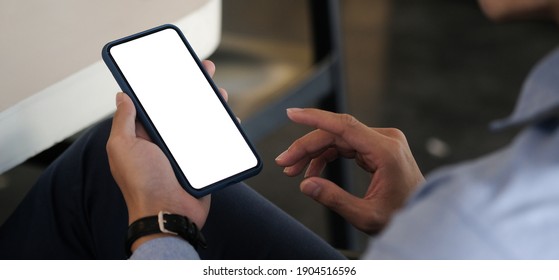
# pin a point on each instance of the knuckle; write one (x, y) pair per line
(349, 120)
(396, 140)
(109, 145)
(396, 134)
(113, 144)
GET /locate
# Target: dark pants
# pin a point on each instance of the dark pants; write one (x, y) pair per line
(76, 211)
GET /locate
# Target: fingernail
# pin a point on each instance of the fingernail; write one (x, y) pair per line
(287, 170)
(310, 188)
(280, 157)
(119, 98)
(293, 110)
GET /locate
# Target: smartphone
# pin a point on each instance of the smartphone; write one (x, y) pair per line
(181, 109)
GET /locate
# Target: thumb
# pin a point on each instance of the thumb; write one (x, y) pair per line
(124, 120)
(330, 195)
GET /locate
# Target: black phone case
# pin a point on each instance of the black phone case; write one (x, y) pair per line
(152, 131)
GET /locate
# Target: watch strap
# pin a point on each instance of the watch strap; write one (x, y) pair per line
(165, 222)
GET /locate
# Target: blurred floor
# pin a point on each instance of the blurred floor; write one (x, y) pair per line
(438, 70)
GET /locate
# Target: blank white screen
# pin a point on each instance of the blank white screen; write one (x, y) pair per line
(184, 108)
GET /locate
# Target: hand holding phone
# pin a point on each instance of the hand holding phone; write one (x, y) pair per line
(143, 172)
(182, 109)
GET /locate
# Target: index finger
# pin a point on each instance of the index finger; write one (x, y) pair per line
(344, 126)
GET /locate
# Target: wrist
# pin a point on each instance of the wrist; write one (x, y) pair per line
(135, 215)
(161, 225)
(195, 209)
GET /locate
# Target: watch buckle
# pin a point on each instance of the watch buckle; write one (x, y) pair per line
(161, 220)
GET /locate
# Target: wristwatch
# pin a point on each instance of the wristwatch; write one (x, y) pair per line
(165, 222)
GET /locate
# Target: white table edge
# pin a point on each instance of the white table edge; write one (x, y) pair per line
(87, 96)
